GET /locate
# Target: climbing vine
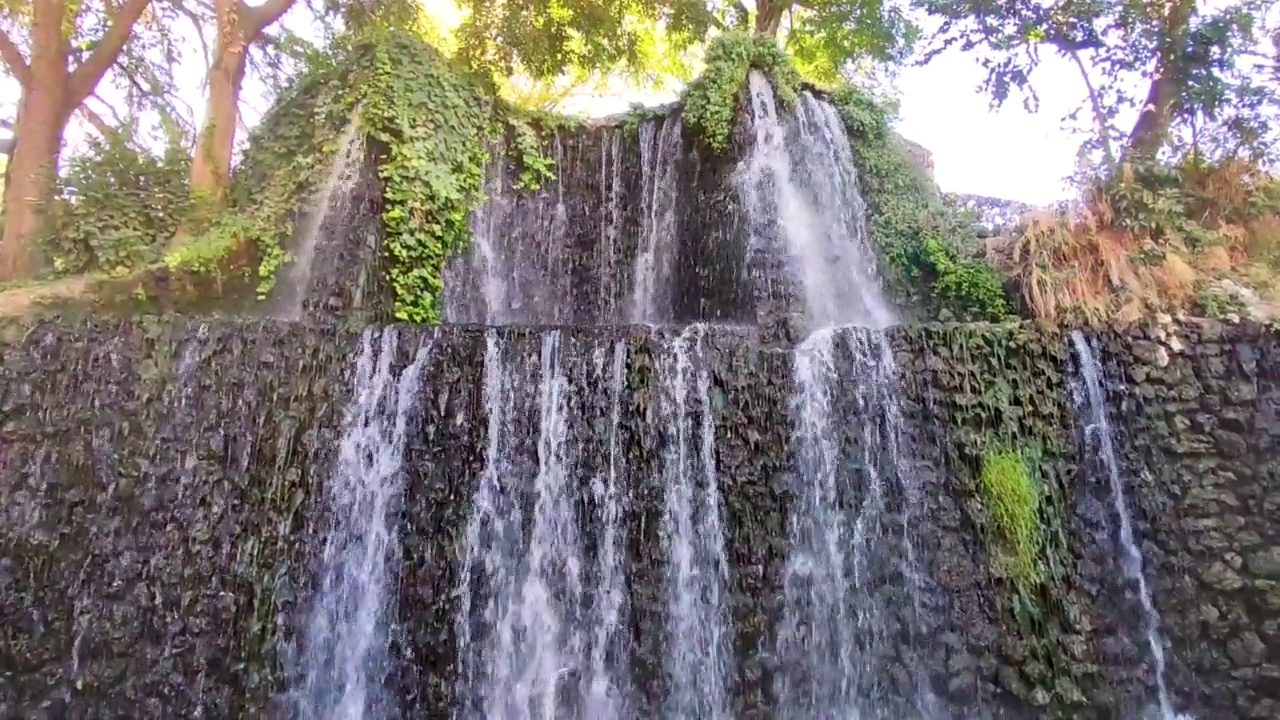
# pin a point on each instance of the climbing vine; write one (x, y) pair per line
(1001, 396)
(931, 254)
(432, 123)
(711, 101)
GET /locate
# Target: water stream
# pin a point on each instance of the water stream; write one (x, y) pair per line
(699, 655)
(344, 661)
(1100, 439)
(332, 202)
(800, 188)
(660, 148)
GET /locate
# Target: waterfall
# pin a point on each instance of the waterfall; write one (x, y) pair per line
(660, 149)
(605, 691)
(332, 206)
(344, 663)
(612, 197)
(536, 640)
(1092, 407)
(699, 652)
(799, 185)
(837, 636)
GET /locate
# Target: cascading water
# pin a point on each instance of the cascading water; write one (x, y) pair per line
(799, 185)
(605, 689)
(699, 652)
(839, 632)
(840, 629)
(344, 661)
(612, 197)
(1091, 405)
(534, 639)
(333, 201)
(660, 148)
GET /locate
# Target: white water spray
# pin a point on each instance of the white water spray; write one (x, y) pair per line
(698, 650)
(660, 148)
(345, 657)
(799, 181)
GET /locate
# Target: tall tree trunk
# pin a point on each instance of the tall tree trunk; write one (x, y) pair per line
(1168, 82)
(51, 92)
(239, 26)
(211, 164)
(769, 16)
(41, 119)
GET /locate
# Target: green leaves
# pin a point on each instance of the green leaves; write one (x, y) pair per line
(435, 122)
(929, 251)
(118, 204)
(711, 102)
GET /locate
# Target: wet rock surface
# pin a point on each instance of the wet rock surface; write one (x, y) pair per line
(158, 510)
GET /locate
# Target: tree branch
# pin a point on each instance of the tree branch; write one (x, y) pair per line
(87, 76)
(12, 57)
(102, 126)
(256, 18)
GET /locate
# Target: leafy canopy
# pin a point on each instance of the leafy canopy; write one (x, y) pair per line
(545, 38)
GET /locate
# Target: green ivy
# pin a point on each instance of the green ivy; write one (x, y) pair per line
(432, 123)
(931, 254)
(710, 102)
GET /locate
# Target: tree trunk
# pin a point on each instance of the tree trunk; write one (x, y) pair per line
(42, 116)
(239, 25)
(50, 92)
(211, 164)
(1168, 82)
(769, 16)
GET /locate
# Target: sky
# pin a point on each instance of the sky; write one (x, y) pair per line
(1009, 153)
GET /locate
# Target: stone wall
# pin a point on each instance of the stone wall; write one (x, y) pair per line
(158, 487)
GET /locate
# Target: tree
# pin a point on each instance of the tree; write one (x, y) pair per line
(71, 48)
(544, 38)
(1196, 66)
(239, 26)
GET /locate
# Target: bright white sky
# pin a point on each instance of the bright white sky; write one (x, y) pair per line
(1008, 154)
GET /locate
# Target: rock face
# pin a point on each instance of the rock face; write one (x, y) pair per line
(158, 489)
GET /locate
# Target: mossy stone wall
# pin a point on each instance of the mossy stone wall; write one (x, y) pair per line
(158, 484)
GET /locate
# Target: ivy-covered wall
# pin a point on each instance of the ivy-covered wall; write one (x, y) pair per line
(158, 486)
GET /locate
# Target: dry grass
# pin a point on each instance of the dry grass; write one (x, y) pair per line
(1095, 261)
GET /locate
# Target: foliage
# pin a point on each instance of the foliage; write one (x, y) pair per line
(1209, 81)
(929, 249)
(544, 38)
(117, 205)
(1153, 238)
(1013, 502)
(433, 122)
(711, 102)
(824, 38)
(285, 162)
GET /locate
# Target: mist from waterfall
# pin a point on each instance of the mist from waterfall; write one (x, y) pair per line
(332, 205)
(660, 149)
(344, 663)
(535, 638)
(699, 654)
(1090, 402)
(799, 187)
